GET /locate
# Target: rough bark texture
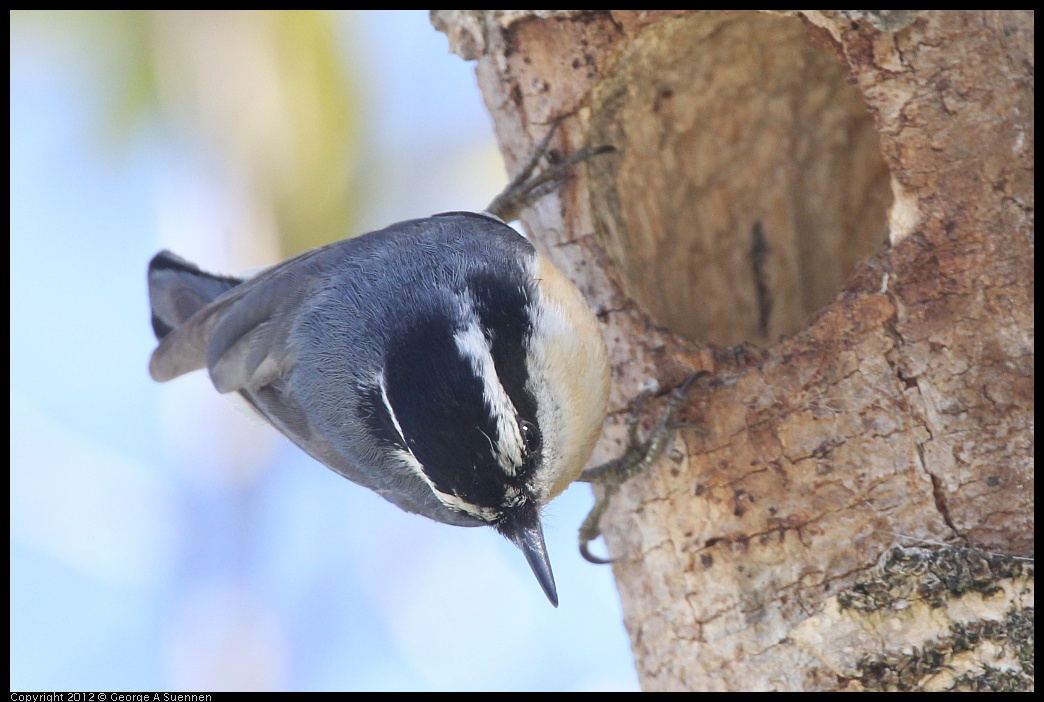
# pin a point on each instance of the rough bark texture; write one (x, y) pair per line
(862, 183)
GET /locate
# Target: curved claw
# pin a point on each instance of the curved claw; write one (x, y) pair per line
(590, 557)
(684, 387)
(524, 189)
(638, 456)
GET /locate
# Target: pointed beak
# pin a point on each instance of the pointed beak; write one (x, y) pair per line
(530, 538)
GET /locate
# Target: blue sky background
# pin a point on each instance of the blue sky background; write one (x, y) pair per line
(162, 540)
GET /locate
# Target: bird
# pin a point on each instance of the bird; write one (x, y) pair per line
(443, 362)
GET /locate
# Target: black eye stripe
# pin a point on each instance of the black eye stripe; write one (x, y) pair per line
(435, 394)
(440, 406)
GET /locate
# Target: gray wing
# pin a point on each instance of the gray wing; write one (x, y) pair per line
(240, 335)
(239, 331)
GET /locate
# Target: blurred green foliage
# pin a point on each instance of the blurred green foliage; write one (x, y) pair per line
(265, 95)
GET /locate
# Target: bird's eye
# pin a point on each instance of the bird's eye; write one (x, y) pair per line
(530, 436)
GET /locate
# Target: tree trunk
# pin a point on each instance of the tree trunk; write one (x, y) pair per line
(832, 212)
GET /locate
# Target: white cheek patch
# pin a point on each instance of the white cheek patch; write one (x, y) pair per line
(475, 348)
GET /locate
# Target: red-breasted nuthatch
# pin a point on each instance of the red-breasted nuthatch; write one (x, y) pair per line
(443, 363)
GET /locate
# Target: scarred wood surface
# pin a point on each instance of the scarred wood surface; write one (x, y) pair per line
(898, 410)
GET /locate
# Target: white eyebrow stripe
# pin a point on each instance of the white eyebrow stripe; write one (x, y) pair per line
(451, 501)
(473, 346)
(391, 411)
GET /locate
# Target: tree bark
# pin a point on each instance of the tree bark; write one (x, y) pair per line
(832, 212)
